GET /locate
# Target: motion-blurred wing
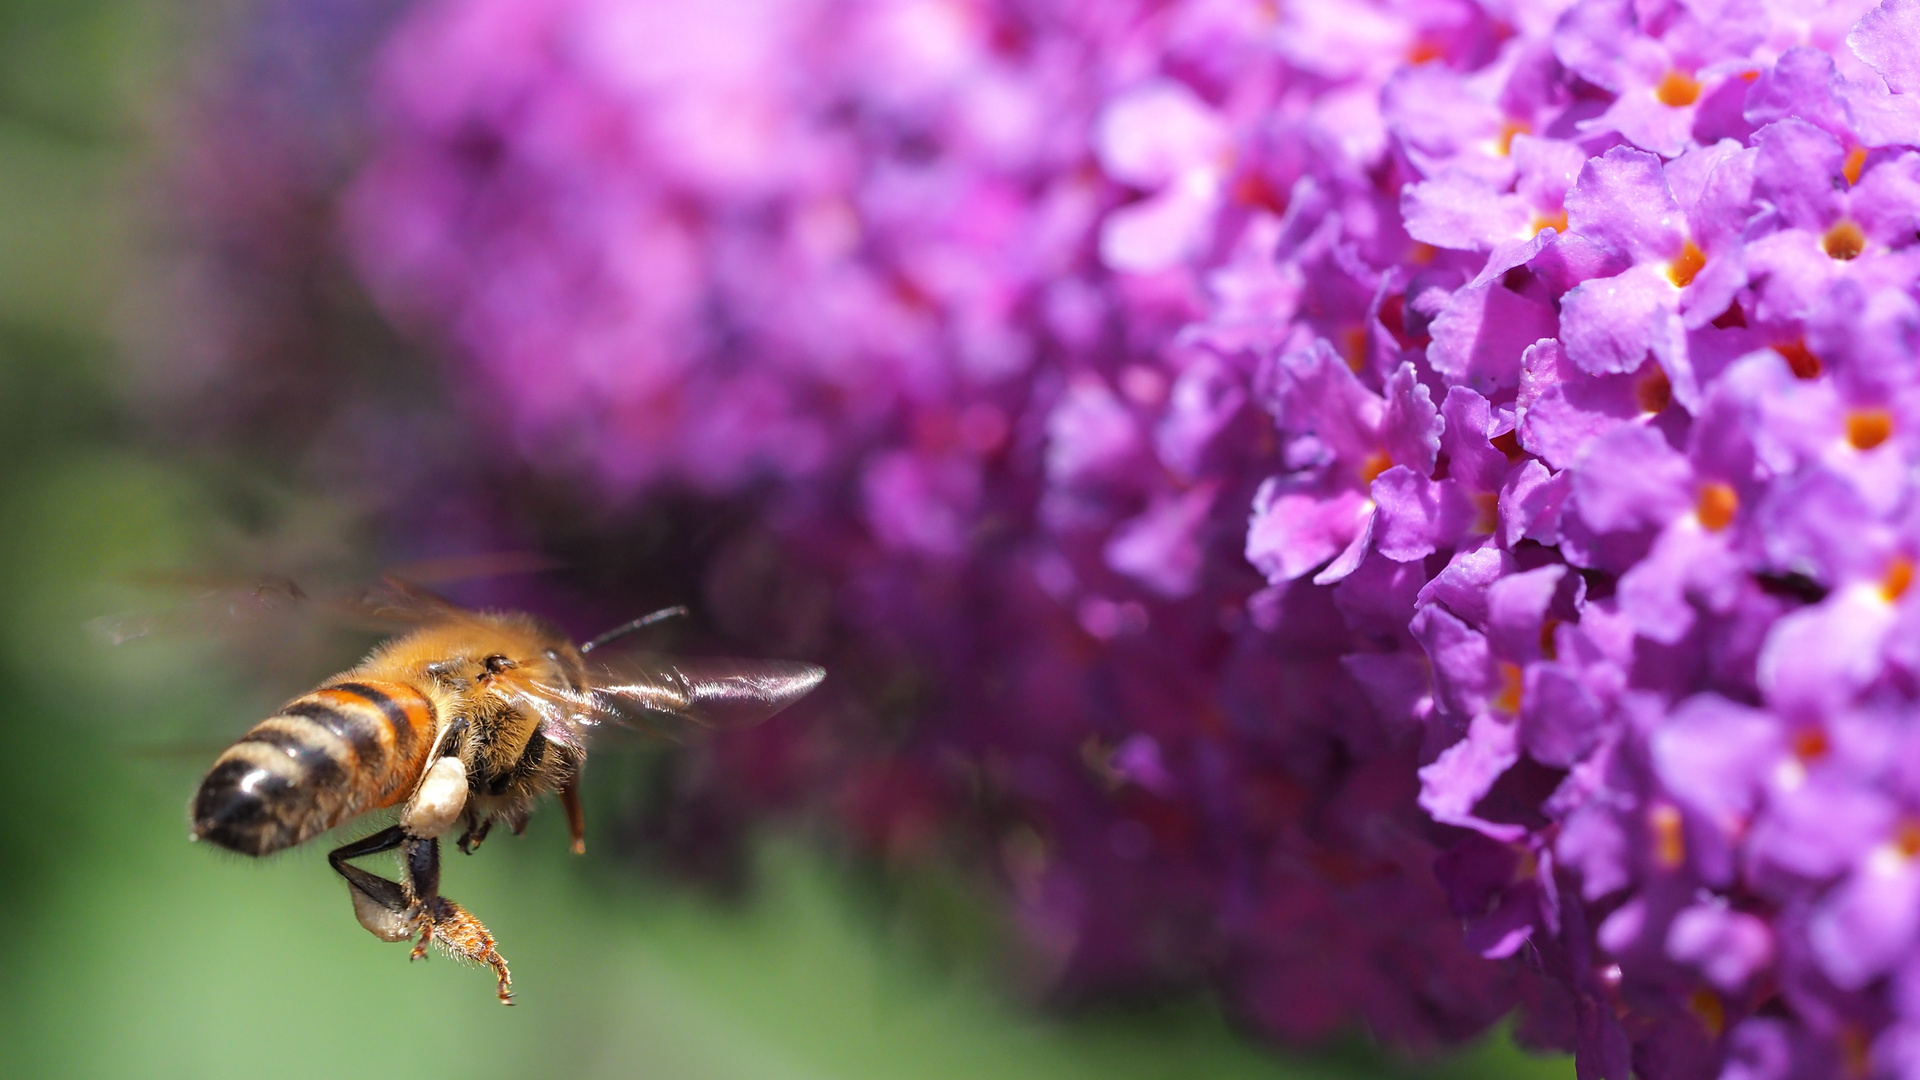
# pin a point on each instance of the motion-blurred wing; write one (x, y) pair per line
(643, 690)
(208, 604)
(202, 604)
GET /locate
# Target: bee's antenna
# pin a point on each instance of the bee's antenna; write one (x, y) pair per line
(640, 623)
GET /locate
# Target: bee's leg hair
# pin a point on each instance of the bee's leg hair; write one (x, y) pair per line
(422, 859)
(445, 922)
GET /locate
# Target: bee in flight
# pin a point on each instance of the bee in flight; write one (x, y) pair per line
(467, 718)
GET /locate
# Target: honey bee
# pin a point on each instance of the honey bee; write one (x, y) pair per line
(467, 718)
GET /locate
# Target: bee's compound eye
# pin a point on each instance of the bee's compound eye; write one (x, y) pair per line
(498, 663)
(441, 670)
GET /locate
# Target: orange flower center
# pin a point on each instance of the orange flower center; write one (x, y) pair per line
(1717, 505)
(1844, 241)
(1805, 365)
(1252, 189)
(1375, 464)
(1868, 428)
(1898, 578)
(1677, 89)
(1669, 835)
(1685, 265)
(1653, 392)
(1811, 744)
(1705, 1005)
(1556, 222)
(1508, 699)
(1508, 130)
(1856, 161)
(1856, 1051)
(1486, 511)
(1906, 838)
(1353, 346)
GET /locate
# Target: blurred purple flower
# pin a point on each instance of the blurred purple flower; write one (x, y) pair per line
(1302, 447)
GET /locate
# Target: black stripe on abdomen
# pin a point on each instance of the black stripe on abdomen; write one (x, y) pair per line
(355, 731)
(395, 713)
(313, 763)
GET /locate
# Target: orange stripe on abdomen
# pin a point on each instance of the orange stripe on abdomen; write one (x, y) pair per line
(400, 718)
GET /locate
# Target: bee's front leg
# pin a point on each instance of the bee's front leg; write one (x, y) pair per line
(476, 833)
(443, 922)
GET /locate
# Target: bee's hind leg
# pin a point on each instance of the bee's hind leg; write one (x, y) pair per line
(444, 922)
(384, 907)
(393, 911)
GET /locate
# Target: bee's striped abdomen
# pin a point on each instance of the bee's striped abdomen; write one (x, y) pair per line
(341, 750)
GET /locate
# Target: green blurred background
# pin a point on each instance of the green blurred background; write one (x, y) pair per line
(127, 951)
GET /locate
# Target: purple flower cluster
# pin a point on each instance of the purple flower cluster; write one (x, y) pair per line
(711, 242)
(1298, 445)
(1612, 479)
(926, 263)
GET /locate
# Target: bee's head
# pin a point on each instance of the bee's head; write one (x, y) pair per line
(462, 673)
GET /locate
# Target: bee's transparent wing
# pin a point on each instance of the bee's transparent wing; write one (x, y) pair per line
(664, 694)
(208, 604)
(201, 604)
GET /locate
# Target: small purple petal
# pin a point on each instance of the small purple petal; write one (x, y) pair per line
(1622, 202)
(1462, 585)
(1729, 947)
(1155, 132)
(1686, 566)
(1517, 611)
(1530, 504)
(1454, 784)
(1818, 658)
(1562, 408)
(1799, 84)
(1561, 720)
(1297, 524)
(1865, 924)
(1713, 755)
(1885, 38)
(1164, 230)
(1462, 213)
(1886, 201)
(1797, 170)
(1481, 334)
(1609, 324)
(1161, 548)
(1398, 685)
(1462, 669)
(1630, 479)
(1816, 830)
(1416, 515)
(1470, 425)
(1090, 434)
(1593, 843)
(1410, 425)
